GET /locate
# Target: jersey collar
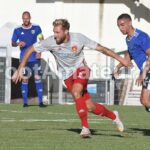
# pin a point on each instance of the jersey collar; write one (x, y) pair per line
(27, 27)
(134, 35)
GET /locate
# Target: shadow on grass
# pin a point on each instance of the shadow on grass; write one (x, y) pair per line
(33, 129)
(79, 130)
(36, 105)
(145, 132)
(95, 133)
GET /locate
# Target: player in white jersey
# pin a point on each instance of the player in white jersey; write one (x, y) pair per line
(67, 49)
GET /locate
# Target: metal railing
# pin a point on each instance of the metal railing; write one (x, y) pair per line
(5, 82)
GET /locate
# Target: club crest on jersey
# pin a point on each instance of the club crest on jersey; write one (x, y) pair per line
(74, 48)
(33, 31)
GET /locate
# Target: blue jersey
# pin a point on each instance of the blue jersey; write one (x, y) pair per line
(137, 46)
(29, 36)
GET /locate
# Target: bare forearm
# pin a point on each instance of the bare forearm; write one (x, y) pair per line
(109, 52)
(112, 54)
(127, 57)
(119, 66)
(27, 54)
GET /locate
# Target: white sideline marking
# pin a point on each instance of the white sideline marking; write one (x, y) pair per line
(94, 120)
(50, 113)
(50, 120)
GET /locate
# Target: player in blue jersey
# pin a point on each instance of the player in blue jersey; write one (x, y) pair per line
(24, 37)
(138, 43)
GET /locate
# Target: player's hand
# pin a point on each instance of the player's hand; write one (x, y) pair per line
(126, 63)
(38, 55)
(140, 79)
(21, 44)
(116, 73)
(17, 76)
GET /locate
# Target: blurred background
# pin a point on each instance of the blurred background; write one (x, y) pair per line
(97, 20)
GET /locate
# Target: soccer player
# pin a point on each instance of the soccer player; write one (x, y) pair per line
(138, 43)
(67, 48)
(24, 36)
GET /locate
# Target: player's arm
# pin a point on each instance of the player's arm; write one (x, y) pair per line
(112, 54)
(127, 57)
(146, 68)
(18, 73)
(15, 38)
(14, 44)
(120, 65)
(27, 54)
(20, 44)
(40, 37)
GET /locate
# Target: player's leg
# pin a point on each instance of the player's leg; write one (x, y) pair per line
(95, 108)
(81, 108)
(99, 109)
(76, 89)
(36, 68)
(24, 85)
(84, 104)
(145, 99)
(145, 93)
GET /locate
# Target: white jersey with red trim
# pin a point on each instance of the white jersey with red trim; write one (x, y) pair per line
(69, 56)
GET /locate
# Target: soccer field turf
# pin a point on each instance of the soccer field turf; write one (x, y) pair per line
(57, 127)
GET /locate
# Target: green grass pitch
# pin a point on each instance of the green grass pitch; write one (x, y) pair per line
(57, 127)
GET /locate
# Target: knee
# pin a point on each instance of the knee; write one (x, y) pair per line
(90, 107)
(76, 94)
(37, 77)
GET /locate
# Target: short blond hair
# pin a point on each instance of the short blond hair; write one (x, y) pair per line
(63, 22)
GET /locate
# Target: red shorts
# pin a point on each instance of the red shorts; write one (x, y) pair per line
(81, 76)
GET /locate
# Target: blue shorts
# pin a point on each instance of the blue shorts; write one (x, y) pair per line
(32, 68)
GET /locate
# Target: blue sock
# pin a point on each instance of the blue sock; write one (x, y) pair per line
(39, 90)
(147, 108)
(24, 91)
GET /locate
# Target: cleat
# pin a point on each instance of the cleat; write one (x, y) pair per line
(118, 122)
(42, 105)
(85, 133)
(25, 105)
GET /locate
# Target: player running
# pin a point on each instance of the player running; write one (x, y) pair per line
(138, 43)
(67, 49)
(24, 36)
